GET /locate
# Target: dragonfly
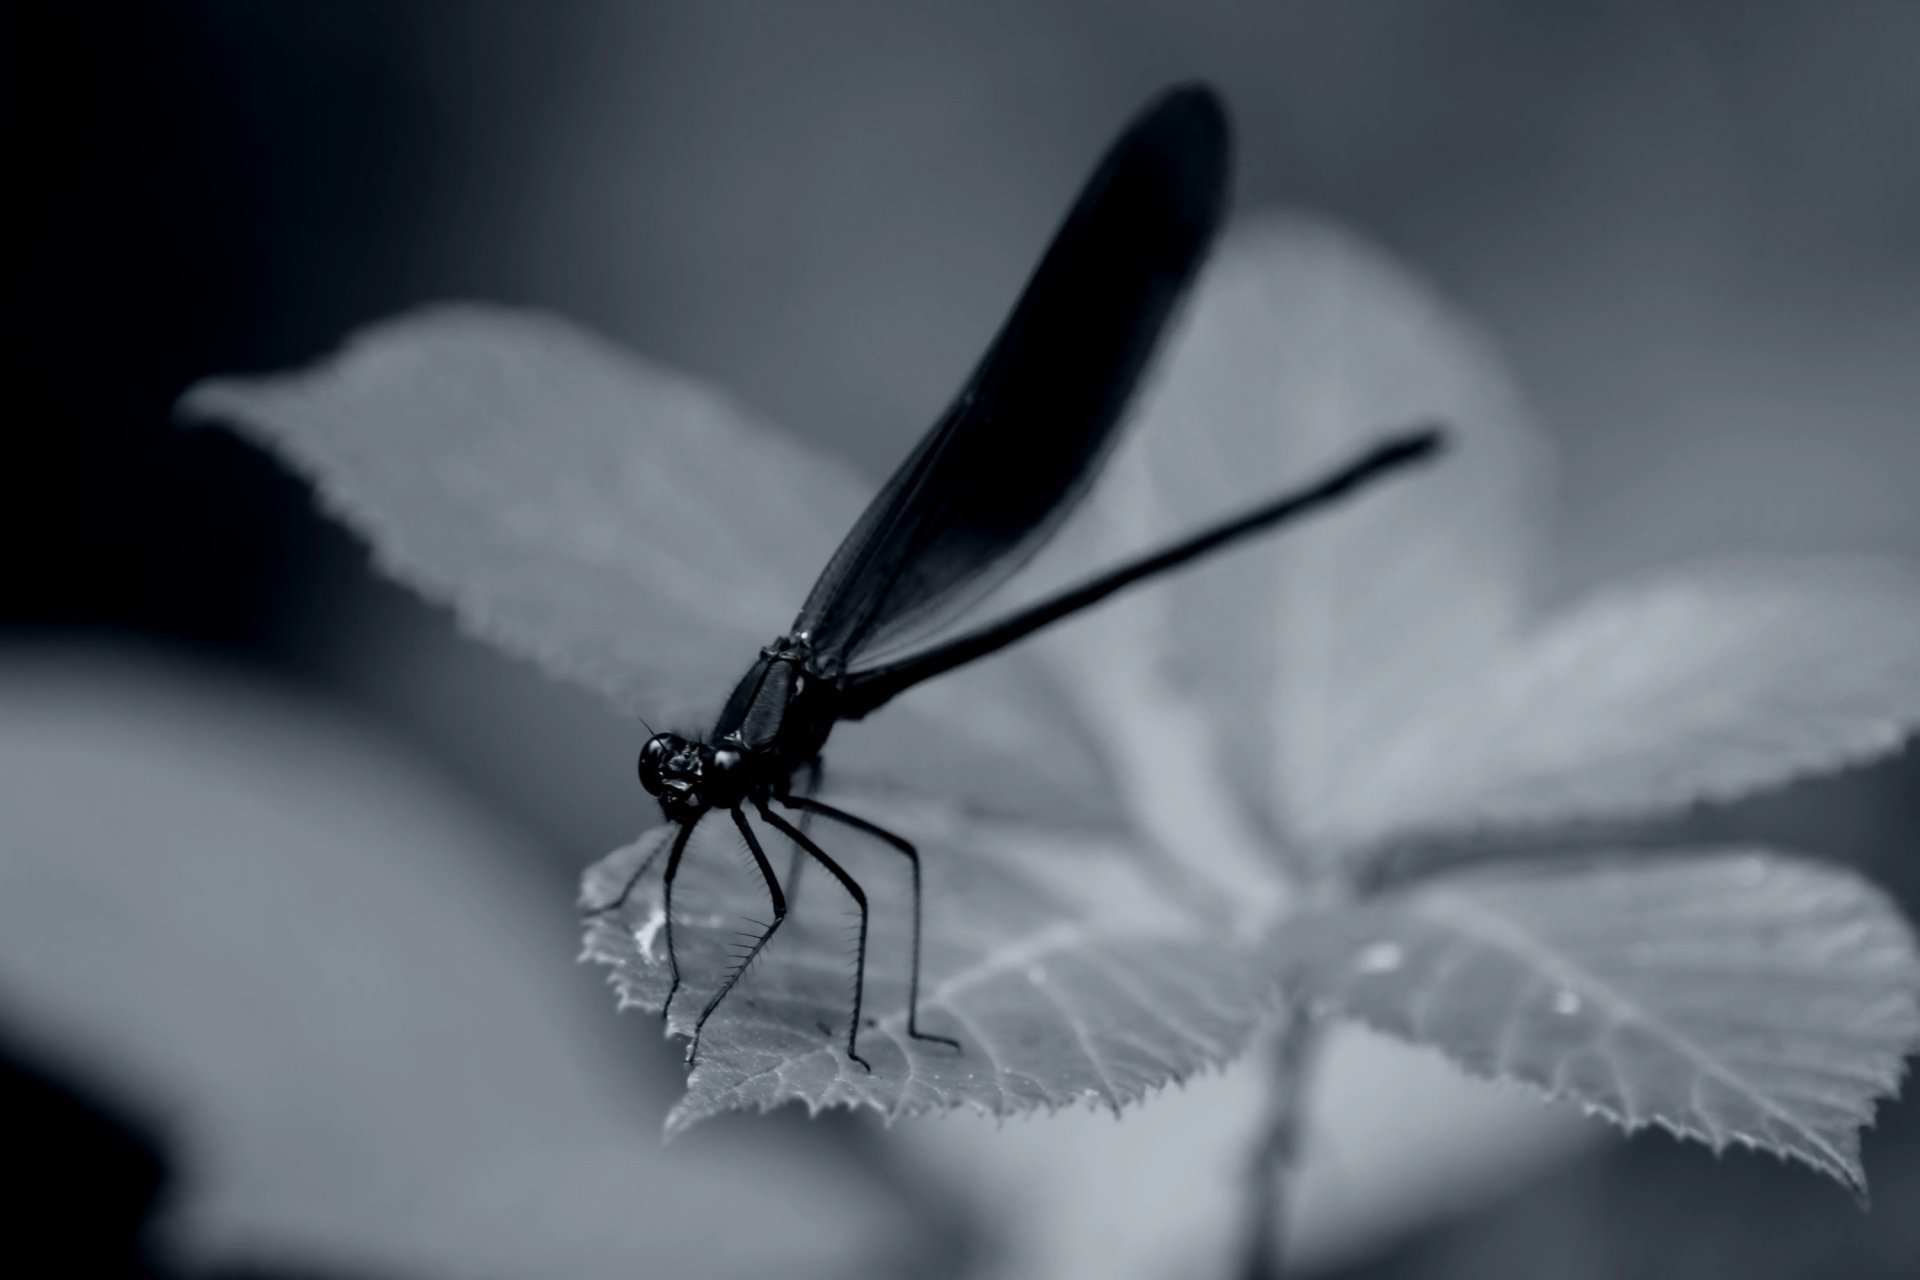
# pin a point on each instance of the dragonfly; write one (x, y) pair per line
(982, 492)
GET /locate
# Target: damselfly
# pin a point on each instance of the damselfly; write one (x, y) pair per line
(973, 502)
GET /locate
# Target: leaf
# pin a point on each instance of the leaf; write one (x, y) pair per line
(1698, 684)
(1739, 997)
(564, 497)
(621, 525)
(1065, 974)
(1303, 346)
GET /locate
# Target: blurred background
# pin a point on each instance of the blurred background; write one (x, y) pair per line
(286, 864)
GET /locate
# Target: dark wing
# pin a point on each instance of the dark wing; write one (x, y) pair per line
(1018, 447)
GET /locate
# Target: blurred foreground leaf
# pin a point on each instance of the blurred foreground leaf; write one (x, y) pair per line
(1066, 976)
(348, 997)
(1739, 998)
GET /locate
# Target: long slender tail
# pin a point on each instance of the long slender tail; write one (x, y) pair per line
(871, 689)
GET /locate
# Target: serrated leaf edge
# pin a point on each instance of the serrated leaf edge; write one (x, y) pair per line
(1211, 1054)
(1846, 1165)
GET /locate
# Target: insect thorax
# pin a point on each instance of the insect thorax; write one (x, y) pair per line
(776, 720)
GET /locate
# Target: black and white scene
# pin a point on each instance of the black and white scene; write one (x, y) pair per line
(1075, 640)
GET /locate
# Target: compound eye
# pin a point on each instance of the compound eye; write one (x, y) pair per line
(652, 756)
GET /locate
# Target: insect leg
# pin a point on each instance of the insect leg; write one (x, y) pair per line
(626, 890)
(859, 896)
(806, 804)
(740, 966)
(666, 907)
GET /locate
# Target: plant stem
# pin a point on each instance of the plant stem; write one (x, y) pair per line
(1288, 1056)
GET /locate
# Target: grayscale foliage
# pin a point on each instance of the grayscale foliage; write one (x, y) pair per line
(1068, 976)
(1739, 997)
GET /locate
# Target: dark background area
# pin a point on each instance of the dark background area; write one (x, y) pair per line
(1694, 228)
